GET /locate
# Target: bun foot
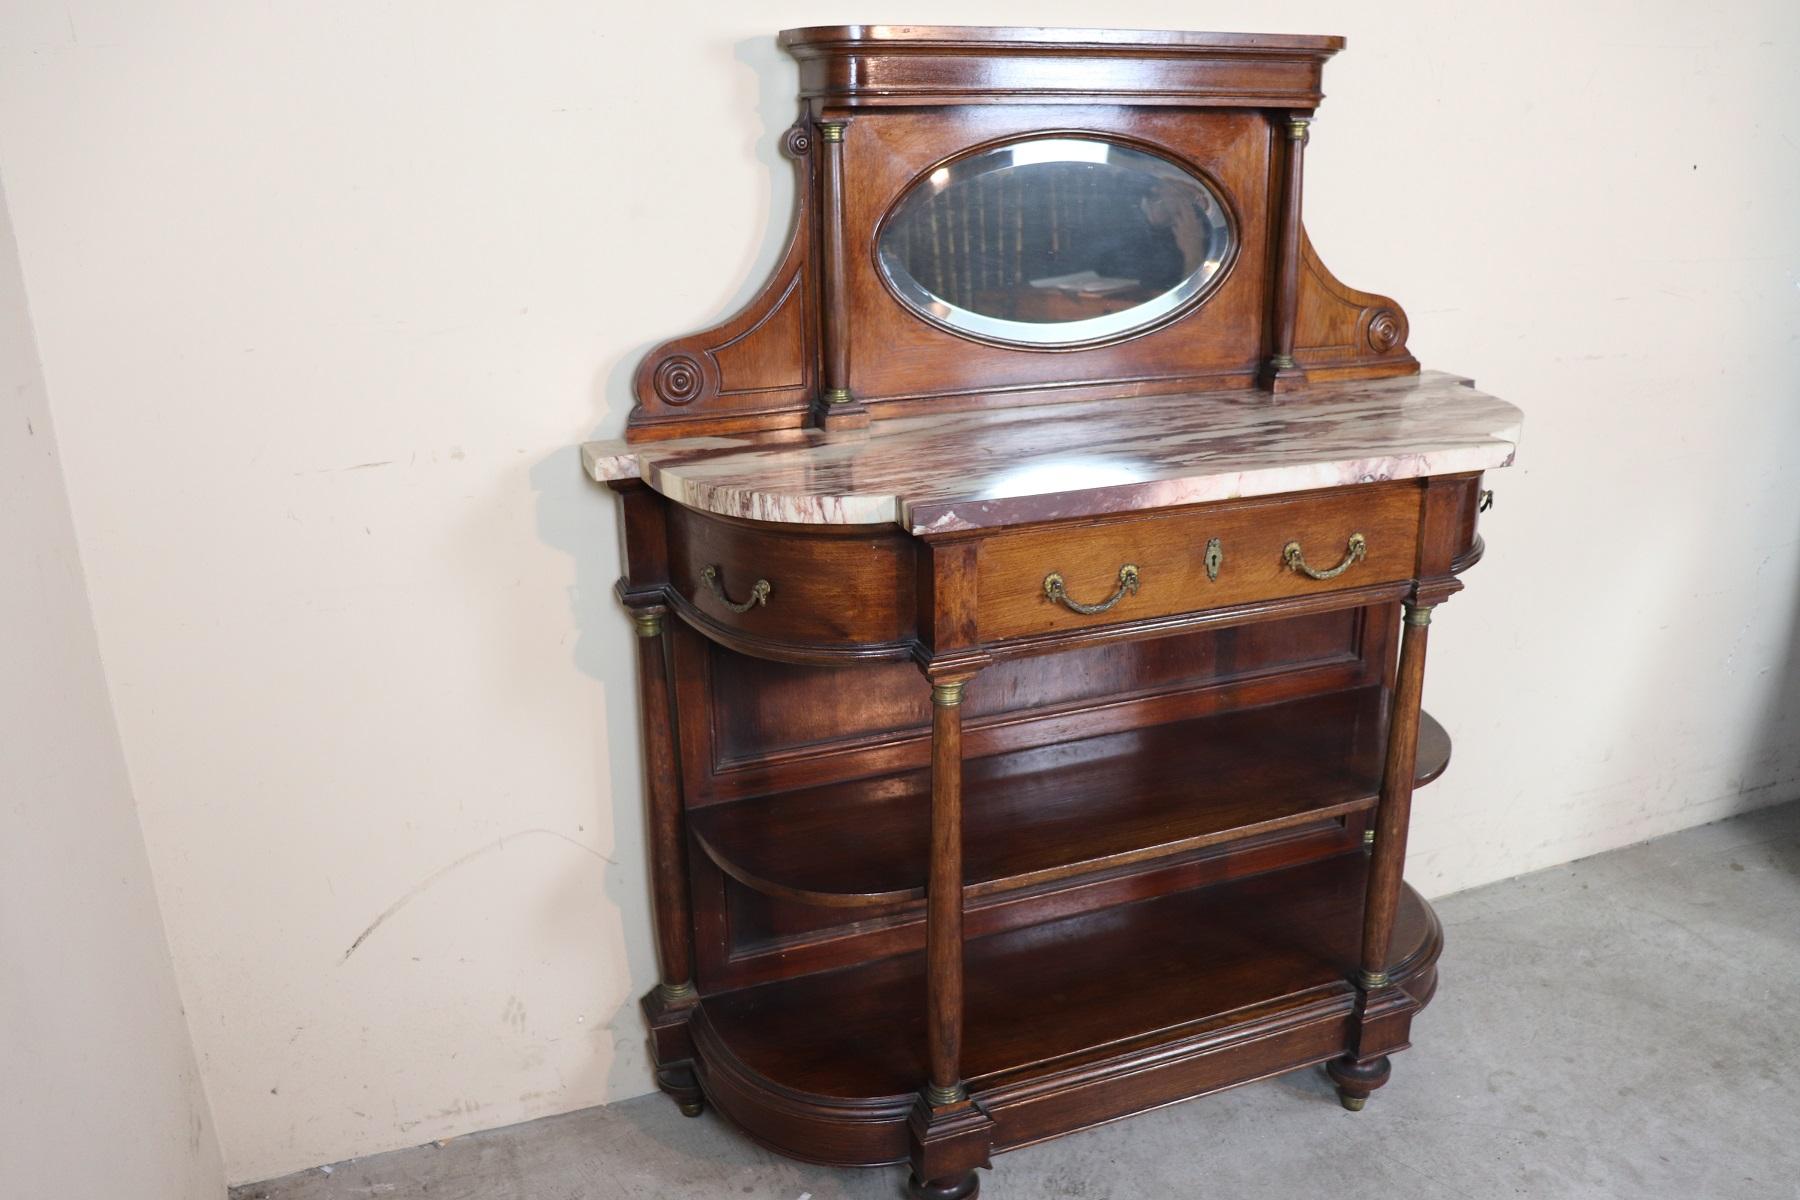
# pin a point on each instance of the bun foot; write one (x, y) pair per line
(679, 1083)
(956, 1187)
(1355, 1080)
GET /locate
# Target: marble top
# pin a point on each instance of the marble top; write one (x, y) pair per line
(973, 470)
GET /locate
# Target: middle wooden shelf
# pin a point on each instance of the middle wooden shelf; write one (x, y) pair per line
(1033, 816)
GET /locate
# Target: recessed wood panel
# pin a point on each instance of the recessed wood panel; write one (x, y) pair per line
(776, 708)
(896, 353)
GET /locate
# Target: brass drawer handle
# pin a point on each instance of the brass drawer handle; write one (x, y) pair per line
(759, 591)
(1357, 547)
(1128, 582)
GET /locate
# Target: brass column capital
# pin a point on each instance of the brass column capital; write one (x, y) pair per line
(649, 624)
(947, 695)
(1418, 615)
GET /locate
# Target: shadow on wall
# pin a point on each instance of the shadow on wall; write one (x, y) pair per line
(573, 515)
(1770, 772)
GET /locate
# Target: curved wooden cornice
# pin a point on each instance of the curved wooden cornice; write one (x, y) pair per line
(862, 66)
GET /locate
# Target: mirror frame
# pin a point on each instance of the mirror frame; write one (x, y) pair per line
(1104, 329)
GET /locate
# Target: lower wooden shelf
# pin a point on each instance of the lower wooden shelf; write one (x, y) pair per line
(1036, 815)
(1068, 1023)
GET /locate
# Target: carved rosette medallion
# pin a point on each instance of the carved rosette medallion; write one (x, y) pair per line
(1385, 330)
(677, 379)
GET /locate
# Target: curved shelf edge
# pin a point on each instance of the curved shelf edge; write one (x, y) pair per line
(1434, 751)
(1470, 556)
(996, 887)
(776, 650)
(860, 1132)
(1433, 758)
(787, 1115)
(782, 891)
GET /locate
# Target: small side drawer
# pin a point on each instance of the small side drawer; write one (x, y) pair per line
(825, 587)
(1169, 554)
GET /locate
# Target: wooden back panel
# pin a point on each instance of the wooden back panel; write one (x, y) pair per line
(895, 356)
(755, 729)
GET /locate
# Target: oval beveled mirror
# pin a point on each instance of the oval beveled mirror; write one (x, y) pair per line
(1055, 241)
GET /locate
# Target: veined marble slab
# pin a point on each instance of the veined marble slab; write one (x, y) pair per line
(973, 470)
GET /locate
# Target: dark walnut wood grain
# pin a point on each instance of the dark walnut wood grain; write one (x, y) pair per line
(1169, 551)
(819, 593)
(1038, 815)
(885, 106)
(864, 66)
(947, 860)
(1341, 333)
(795, 725)
(1068, 1023)
(845, 589)
(825, 799)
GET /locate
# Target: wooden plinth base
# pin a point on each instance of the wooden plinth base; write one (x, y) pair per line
(1069, 1024)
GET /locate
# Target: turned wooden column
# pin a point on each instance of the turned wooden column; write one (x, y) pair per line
(1388, 859)
(1281, 373)
(949, 1137)
(668, 862)
(1383, 1010)
(944, 899)
(837, 408)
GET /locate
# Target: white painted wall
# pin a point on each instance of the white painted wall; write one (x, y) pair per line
(100, 1094)
(327, 292)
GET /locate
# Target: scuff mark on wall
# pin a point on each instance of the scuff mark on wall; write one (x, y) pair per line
(431, 879)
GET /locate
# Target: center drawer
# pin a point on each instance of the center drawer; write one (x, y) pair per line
(1136, 567)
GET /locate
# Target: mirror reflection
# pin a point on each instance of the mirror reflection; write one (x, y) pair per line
(1055, 241)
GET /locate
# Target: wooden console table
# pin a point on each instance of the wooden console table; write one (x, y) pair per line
(1032, 589)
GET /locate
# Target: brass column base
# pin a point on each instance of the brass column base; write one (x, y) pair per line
(837, 409)
(1281, 374)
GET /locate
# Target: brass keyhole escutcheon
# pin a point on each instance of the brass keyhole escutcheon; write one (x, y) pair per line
(1215, 558)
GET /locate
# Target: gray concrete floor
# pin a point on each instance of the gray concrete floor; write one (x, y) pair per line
(1626, 1026)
